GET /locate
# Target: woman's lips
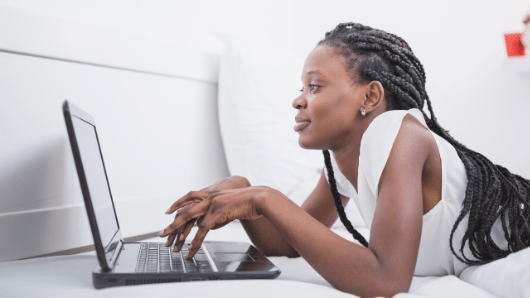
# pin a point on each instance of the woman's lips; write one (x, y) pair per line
(301, 125)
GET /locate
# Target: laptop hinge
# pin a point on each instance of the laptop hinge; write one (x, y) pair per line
(116, 254)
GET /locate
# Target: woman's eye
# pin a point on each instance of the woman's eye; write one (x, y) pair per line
(311, 87)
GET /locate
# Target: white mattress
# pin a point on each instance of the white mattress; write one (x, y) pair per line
(70, 276)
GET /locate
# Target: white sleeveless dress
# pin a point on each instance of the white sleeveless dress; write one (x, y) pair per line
(435, 257)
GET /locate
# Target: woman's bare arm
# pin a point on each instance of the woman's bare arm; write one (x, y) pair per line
(262, 233)
(319, 204)
(386, 266)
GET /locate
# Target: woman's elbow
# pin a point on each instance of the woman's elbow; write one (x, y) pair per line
(270, 252)
(376, 287)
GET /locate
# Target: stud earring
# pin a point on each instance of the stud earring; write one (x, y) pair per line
(363, 112)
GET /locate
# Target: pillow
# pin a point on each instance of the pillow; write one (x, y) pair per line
(257, 86)
(506, 277)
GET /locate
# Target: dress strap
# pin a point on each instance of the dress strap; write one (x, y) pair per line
(377, 142)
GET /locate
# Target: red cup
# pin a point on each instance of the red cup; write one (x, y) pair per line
(514, 47)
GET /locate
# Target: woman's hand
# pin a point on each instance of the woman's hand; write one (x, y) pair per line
(193, 198)
(215, 210)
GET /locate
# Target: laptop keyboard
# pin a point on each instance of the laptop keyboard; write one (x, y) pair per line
(156, 257)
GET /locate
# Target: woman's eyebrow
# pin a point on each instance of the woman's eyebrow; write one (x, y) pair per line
(317, 72)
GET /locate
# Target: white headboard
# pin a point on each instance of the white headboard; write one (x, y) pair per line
(155, 109)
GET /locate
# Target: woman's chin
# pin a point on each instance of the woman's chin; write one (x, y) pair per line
(305, 143)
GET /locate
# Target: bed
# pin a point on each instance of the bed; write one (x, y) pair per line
(192, 117)
(70, 276)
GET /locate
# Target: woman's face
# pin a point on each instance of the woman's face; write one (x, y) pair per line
(330, 103)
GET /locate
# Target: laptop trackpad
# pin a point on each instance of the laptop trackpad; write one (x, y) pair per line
(235, 262)
(232, 257)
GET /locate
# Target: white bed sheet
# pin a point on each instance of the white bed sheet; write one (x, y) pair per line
(71, 276)
(508, 277)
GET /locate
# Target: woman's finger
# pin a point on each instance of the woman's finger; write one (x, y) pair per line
(200, 219)
(175, 236)
(206, 224)
(170, 239)
(188, 198)
(171, 229)
(179, 232)
(195, 210)
(179, 211)
(186, 229)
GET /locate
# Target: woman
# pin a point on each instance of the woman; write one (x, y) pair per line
(433, 205)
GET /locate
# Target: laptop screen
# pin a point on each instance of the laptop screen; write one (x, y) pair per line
(96, 178)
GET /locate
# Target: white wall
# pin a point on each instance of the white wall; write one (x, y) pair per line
(156, 113)
(514, 11)
(461, 46)
(459, 42)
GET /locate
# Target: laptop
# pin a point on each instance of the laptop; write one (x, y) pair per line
(133, 263)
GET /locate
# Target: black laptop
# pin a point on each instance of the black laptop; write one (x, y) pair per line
(132, 263)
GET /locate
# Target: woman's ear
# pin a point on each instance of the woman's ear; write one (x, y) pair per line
(374, 95)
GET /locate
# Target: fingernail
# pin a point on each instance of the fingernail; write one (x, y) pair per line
(187, 256)
(168, 211)
(182, 237)
(161, 233)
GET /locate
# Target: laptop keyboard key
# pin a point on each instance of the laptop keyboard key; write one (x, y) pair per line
(156, 257)
(201, 258)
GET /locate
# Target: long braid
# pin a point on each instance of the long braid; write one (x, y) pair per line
(338, 203)
(492, 192)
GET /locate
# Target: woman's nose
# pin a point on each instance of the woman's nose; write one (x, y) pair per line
(300, 102)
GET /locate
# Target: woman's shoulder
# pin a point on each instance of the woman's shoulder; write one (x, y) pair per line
(380, 136)
(384, 129)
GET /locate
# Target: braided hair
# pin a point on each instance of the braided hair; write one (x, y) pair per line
(492, 191)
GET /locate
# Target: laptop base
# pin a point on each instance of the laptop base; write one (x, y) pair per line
(233, 260)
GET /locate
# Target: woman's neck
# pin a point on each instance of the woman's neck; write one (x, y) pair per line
(347, 155)
(348, 161)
